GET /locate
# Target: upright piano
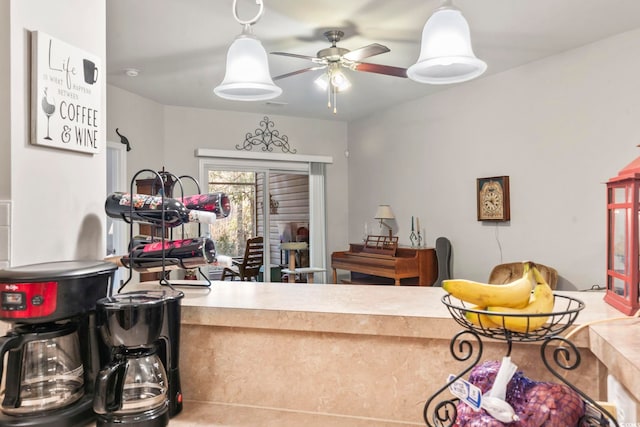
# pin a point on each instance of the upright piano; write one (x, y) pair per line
(404, 263)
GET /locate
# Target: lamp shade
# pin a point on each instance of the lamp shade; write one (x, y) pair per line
(384, 212)
(446, 55)
(247, 76)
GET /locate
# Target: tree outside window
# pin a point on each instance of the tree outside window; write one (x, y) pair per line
(231, 234)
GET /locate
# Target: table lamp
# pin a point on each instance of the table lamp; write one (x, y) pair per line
(385, 212)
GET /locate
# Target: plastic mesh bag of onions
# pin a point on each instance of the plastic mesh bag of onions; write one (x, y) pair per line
(536, 404)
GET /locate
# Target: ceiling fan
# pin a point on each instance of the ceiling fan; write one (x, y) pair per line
(334, 58)
(345, 57)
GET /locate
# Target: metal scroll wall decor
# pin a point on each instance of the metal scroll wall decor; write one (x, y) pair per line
(267, 137)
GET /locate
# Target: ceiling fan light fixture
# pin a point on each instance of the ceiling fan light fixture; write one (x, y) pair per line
(322, 81)
(446, 55)
(332, 82)
(340, 81)
(247, 76)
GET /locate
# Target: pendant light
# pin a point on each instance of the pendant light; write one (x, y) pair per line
(247, 76)
(446, 55)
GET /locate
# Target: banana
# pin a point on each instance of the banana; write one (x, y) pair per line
(480, 319)
(515, 294)
(541, 302)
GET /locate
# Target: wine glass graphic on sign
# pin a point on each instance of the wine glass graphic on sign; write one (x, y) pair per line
(48, 109)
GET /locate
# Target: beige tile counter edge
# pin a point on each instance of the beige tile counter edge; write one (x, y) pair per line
(399, 311)
(616, 344)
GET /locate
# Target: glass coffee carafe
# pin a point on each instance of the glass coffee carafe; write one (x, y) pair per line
(140, 384)
(43, 369)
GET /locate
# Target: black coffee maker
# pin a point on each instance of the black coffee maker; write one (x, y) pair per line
(140, 386)
(51, 355)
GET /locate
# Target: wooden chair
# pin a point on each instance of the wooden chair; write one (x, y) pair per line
(505, 273)
(247, 268)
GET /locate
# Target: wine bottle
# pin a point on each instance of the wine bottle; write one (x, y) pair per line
(150, 209)
(142, 240)
(184, 253)
(218, 203)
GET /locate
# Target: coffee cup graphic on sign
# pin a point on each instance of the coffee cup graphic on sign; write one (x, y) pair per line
(90, 72)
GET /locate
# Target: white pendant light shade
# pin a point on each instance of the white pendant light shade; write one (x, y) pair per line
(446, 55)
(247, 76)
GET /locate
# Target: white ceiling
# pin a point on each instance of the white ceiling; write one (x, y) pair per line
(180, 46)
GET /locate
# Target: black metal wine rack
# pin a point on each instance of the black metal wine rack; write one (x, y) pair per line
(167, 182)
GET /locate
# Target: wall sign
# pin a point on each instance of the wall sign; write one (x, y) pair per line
(66, 95)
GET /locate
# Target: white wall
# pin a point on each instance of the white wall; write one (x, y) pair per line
(167, 136)
(187, 129)
(5, 103)
(58, 196)
(140, 120)
(559, 128)
(5, 139)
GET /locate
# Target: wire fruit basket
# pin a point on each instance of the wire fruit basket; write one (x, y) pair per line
(557, 353)
(566, 310)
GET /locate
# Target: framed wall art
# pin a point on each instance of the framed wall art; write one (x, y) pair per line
(493, 199)
(66, 90)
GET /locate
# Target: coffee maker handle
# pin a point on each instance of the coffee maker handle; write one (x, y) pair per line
(9, 342)
(109, 388)
(14, 364)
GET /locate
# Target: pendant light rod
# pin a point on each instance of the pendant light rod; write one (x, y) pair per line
(446, 4)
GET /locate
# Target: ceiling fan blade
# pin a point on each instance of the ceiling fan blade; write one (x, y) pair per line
(381, 69)
(295, 55)
(293, 73)
(366, 52)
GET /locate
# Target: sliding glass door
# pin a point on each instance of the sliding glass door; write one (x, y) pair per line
(275, 200)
